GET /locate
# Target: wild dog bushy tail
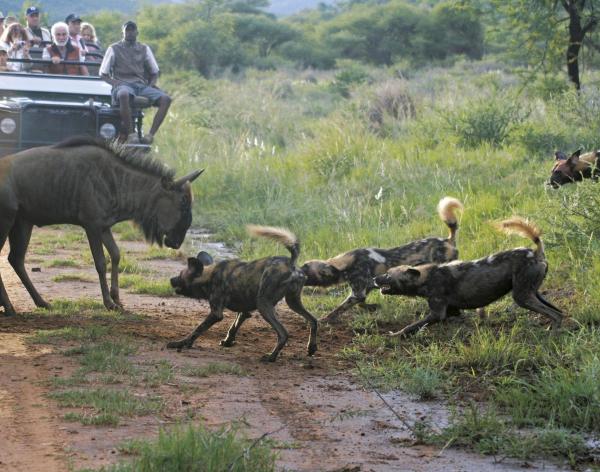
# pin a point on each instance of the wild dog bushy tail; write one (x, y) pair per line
(525, 228)
(281, 235)
(447, 211)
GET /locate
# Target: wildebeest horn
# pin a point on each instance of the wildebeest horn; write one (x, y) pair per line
(205, 258)
(188, 178)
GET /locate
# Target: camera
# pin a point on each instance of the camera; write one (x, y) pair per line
(21, 43)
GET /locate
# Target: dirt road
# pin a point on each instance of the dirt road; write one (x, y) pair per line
(320, 416)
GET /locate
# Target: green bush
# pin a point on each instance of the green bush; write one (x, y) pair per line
(539, 139)
(487, 120)
(196, 449)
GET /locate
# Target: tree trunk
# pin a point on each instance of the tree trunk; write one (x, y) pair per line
(576, 34)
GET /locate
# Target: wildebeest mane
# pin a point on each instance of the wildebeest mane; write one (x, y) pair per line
(133, 157)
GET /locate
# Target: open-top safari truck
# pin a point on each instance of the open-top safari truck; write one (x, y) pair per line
(38, 109)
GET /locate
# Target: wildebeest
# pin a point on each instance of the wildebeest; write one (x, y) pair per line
(93, 184)
(574, 168)
(475, 284)
(246, 286)
(359, 266)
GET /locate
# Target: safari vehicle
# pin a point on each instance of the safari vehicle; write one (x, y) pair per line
(37, 109)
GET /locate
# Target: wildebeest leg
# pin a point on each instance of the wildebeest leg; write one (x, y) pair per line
(19, 241)
(267, 310)
(115, 257)
(294, 301)
(213, 317)
(233, 329)
(95, 241)
(437, 313)
(531, 302)
(9, 310)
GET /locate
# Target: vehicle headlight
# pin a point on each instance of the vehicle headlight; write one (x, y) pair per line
(8, 126)
(108, 131)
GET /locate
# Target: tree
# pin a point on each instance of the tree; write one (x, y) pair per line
(546, 29)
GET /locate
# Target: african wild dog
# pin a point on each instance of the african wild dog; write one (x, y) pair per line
(574, 168)
(247, 286)
(474, 284)
(359, 266)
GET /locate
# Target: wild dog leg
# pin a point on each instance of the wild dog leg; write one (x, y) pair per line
(19, 237)
(115, 257)
(233, 329)
(9, 310)
(437, 313)
(267, 310)
(531, 302)
(213, 317)
(358, 295)
(546, 302)
(294, 301)
(95, 241)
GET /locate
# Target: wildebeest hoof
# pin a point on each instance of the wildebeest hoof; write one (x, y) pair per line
(312, 348)
(269, 358)
(227, 342)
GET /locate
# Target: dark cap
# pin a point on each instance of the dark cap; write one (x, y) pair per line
(72, 17)
(129, 24)
(32, 11)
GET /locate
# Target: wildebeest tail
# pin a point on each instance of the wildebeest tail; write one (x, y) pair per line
(281, 235)
(525, 228)
(447, 210)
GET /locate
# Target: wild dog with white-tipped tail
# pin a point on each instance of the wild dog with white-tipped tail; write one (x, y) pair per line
(475, 284)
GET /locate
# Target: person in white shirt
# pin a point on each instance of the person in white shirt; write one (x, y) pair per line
(15, 40)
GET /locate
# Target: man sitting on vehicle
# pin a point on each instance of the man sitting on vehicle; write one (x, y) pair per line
(131, 69)
(74, 23)
(62, 50)
(36, 32)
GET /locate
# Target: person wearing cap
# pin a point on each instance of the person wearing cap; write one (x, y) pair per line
(74, 23)
(62, 50)
(131, 69)
(36, 32)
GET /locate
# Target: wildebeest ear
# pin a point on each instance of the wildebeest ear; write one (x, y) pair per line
(560, 156)
(187, 178)
(205, 258)
(413, 272)
(195, 265)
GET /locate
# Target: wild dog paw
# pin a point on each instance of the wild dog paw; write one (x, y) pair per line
(227, 342)
(269, 358)
(179, 345)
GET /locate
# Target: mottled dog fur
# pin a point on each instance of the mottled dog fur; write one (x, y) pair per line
(246, 286)
(475, 284)
(359, 266)
(574, 168)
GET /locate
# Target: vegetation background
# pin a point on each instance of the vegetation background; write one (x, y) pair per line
(348, 122)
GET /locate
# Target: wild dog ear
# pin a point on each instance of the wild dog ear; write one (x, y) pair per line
(413, 272)
(560, 156)
(195, 265)
(205, 258)
(574, 159)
